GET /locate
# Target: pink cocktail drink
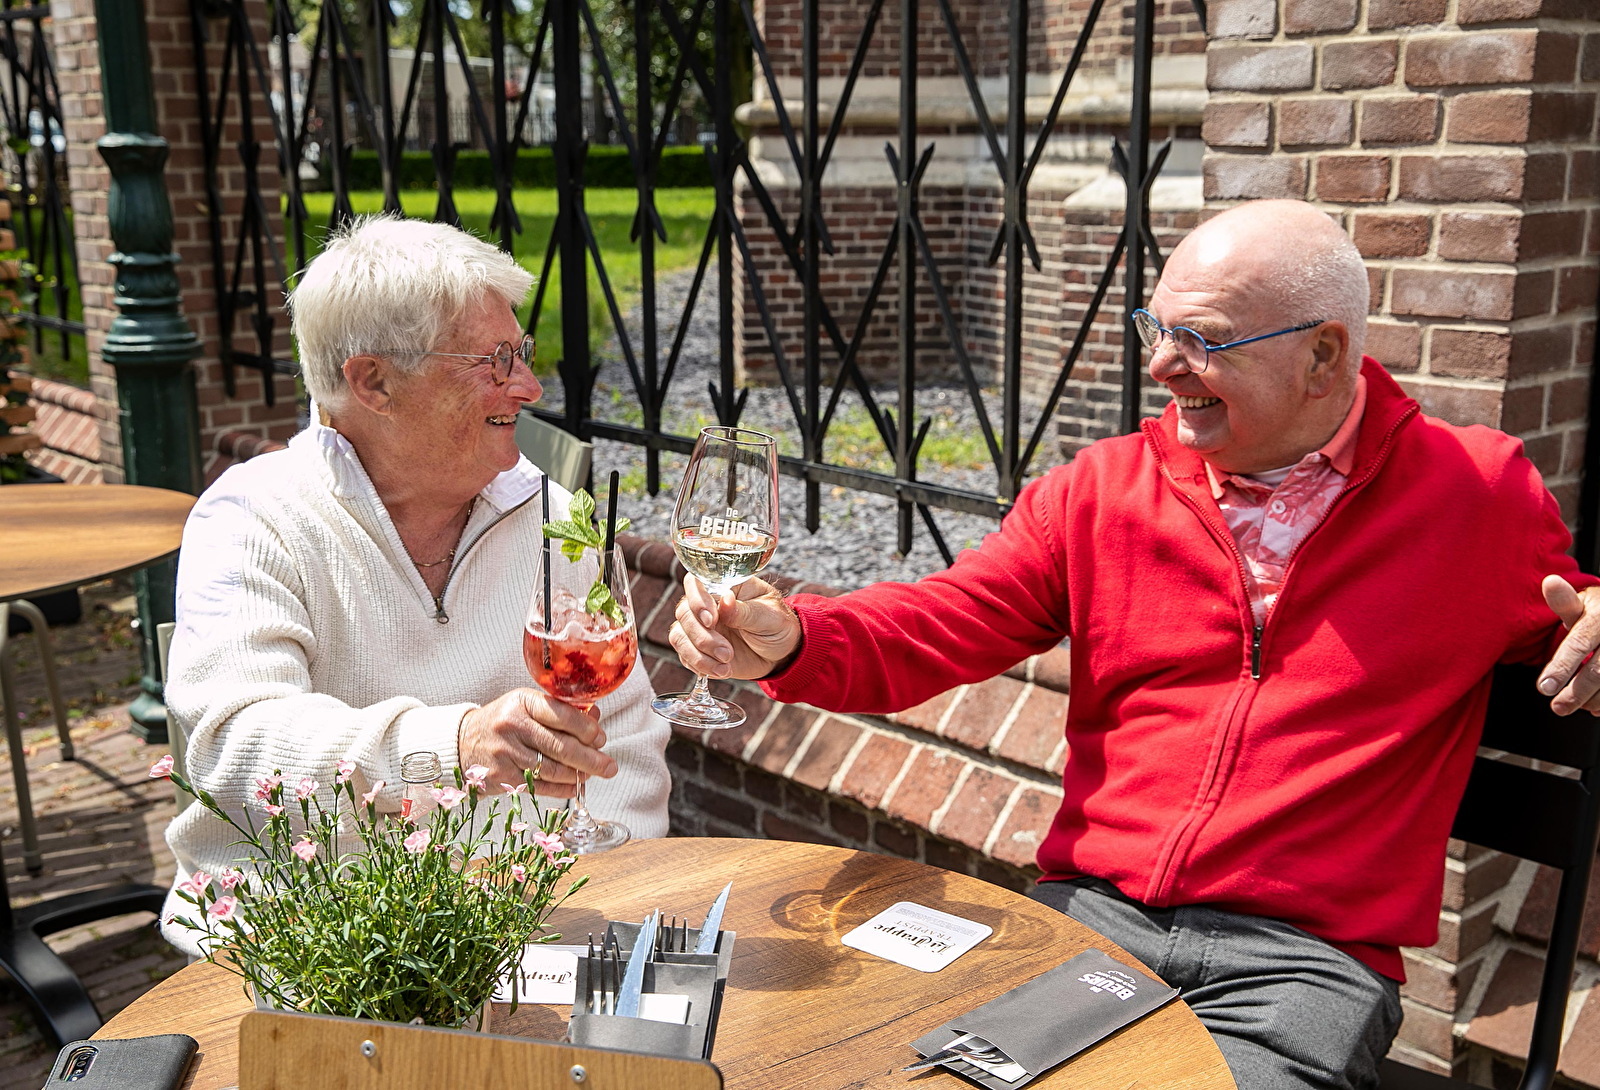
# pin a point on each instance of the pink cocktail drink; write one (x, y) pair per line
(583, 658)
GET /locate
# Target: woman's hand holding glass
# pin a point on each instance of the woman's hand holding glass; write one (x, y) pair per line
(525, 729)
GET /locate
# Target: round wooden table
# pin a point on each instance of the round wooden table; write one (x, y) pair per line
(58, 536)
(801, 1010)
(54, 537)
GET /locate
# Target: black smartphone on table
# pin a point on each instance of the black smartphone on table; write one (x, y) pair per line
(133, 1063)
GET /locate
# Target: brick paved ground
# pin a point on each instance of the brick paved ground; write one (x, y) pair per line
(101, 821)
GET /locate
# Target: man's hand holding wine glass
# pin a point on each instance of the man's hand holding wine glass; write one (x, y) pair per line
(526, 729)
(747, 633)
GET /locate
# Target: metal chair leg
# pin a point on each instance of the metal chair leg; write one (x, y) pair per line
(47, 662)
(31, 859)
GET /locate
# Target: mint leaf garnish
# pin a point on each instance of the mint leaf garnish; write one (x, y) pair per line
(600, 601)
(581, 509)
(578, 533)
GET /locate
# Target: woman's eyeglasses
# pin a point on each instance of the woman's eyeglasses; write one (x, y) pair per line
(502, 359)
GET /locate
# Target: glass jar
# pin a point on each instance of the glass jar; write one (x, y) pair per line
(420, 771)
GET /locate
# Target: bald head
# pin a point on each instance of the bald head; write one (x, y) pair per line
(1280, 283)
(1289, 258)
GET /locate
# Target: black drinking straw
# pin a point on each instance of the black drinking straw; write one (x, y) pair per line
(611, 524)
(544, 496)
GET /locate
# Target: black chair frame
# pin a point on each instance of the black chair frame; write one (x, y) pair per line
(1540, 815)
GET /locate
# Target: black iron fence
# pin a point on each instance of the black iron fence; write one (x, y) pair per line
(362, 104)
(35, 164)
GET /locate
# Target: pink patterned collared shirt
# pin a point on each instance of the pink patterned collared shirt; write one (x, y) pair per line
(1271, 513)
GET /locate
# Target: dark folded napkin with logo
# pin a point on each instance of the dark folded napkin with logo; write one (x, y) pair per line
(1049, 1019)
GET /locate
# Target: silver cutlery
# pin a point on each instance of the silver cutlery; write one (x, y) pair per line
(975, 1049)
(713, 925)
(627, 1003)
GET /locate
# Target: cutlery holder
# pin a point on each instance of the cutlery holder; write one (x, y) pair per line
(701, 977)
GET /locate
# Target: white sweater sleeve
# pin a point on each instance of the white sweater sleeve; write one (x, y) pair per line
(636, 737)
(239, 680)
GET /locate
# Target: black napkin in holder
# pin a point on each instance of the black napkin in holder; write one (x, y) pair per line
(701, 977)
(1054, 1016)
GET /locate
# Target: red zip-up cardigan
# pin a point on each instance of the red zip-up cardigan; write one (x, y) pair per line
(1307, 771)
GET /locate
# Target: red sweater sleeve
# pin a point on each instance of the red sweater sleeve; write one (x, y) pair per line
(893, 645)
(1536, 632)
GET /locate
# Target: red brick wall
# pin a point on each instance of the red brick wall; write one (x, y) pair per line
(961, 217)
(172, 59)
(78, 72)
(68, 424)
(859, 220)
(1462, 157)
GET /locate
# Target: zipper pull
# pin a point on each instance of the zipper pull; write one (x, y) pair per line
(1255, 653)
(444, 618)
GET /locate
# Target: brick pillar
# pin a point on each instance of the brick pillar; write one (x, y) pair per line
(177, 103)
(77, 63)
(1456, 141)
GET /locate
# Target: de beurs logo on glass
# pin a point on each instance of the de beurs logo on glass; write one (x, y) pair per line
(1118, 984)
(729, 525)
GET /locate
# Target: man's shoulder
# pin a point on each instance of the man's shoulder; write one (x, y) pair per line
(1462, 461)
(1115, 457)
(1486, 446)
(1114, 450)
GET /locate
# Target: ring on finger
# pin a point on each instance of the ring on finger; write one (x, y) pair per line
(538, 766)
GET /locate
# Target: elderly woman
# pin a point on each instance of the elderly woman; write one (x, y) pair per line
(361, 595)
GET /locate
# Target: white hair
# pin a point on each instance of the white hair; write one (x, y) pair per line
(1327, 282)
(391, 287)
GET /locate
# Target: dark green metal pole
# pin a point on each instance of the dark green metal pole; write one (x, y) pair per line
(150, 344)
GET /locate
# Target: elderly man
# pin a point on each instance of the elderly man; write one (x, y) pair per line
(1284, 598)
(361, 595)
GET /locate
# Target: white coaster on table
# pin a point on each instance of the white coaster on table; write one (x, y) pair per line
(916, 936)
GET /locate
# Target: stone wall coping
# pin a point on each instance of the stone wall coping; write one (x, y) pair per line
(241, 446)
(75, 398)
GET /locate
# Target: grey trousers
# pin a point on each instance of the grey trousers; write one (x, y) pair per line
(1286, 1009)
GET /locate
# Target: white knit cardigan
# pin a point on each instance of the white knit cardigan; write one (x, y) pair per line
(306, 636)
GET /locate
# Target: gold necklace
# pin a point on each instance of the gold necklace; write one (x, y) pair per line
(451, 555)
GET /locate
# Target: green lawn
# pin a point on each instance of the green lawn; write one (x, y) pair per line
(684, 212)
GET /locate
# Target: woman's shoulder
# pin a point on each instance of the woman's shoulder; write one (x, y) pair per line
(269, 495)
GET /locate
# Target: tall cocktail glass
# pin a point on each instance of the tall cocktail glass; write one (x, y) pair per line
(582, 652)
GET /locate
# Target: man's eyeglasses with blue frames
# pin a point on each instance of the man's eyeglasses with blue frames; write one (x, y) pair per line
(1194, 349)
(502, 359)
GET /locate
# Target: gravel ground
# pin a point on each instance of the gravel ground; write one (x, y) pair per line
(855, 543)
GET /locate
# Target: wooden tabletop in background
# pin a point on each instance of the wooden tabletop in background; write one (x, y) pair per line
(802, 1010)
(57, 536)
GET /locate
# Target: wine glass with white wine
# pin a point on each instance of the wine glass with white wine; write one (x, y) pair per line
(725, 529)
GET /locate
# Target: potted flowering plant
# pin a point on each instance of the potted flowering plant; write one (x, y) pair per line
(348, 912)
